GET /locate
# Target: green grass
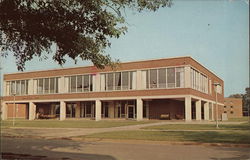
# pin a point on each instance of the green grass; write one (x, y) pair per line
(244, 126)
(242, 119)
(71, 123)
(236, 137)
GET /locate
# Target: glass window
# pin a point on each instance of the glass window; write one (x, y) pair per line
(40, 86)
(27, 86)
(153, 78)
(162, 78)
(125, 80)
(23, 91)
(103, 79)
(171, 77)
(56, 85)
(52, 85)
(46, 85)
(13, 87)
(73, 84)
(18, 87)
(180, 77)
(110, 81)
(131, 80)
(86, 83)
(79, 83)
(147, 79)
(118, 81)
(91, 82)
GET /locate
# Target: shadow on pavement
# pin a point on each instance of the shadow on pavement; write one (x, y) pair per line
(240, 153)
(41, 149)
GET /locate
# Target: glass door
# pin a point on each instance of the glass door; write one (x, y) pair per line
(131, 111)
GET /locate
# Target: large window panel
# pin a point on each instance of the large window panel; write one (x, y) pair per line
(52, 85)
(13, 87)
(144, 79)
(118, 81)
(73, 84)
(91, 82)
(86, 83)
(7, 89)
(18, 87)
(26, 86)
(125, 80)
(133, 80)
(103, 86)
(180, 77)
(79, 83)
(110, 81)
(162, 78)
(171, 77)
(56, 85)
(23, 90)
(46, 85)
(40, 86)
(153, 78)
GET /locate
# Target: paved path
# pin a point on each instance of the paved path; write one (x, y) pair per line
(70, 132)
(66, 149)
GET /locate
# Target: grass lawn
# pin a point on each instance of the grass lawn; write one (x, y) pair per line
(242, 119)
(244, 126)
(71, 123)
(236, 137)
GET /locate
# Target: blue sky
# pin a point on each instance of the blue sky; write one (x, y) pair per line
(215, 33)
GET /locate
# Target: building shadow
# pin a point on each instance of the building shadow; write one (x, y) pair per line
(42, 149)
(240, 153)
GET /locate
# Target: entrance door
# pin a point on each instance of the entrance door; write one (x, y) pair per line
(131, 111)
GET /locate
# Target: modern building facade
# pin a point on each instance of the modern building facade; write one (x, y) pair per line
(171, 88)
(232, 107)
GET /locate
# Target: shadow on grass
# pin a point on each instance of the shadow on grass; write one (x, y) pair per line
(216, 137)
(245, 126)
(48, 149)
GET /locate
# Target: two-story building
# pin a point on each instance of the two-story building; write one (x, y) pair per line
(174, 88)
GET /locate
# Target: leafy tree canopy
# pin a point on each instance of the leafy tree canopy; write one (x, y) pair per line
(78, 28)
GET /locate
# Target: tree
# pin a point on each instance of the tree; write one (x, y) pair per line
(236, 96)
(80, 29)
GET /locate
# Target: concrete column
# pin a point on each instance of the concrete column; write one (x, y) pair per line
(213, 109)
(98, 110)
(188, 108)
(4, 110)
(198, 110)
(32, 111)
(138, 80)
(97, 82)
(206, 111)
(62, 110)
(139, 109)
(187, 77)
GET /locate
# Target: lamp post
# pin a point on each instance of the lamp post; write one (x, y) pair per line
(216, 103)
(14, 109)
